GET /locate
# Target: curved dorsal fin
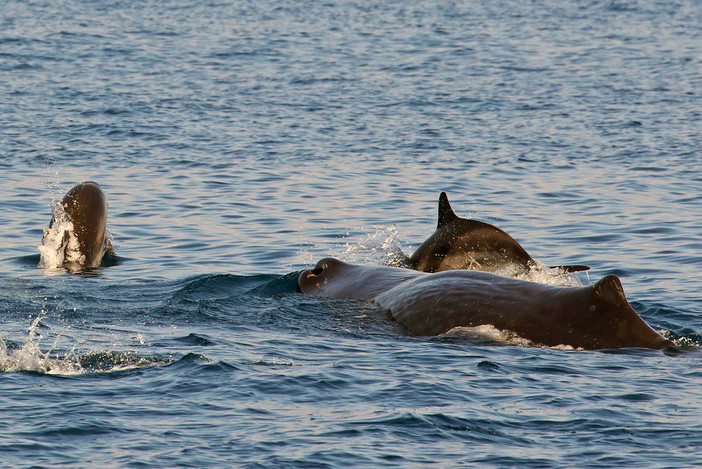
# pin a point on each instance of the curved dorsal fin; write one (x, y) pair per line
(610, 289)
(446, 214)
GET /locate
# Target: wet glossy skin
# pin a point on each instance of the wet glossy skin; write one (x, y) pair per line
(86, 207)
(593, 317)
(459, 243)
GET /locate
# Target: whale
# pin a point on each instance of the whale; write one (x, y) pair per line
(460, 243)
(591, 317)
(79, 223)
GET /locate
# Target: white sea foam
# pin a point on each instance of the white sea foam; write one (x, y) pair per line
(59, 245)
(35, 355)
(556, 277)
(490, 333)
(29, 356)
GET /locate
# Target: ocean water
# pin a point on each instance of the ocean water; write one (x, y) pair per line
(238, 142)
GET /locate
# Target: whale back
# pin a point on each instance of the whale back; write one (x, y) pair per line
(591, 317)
(460, 243)
(599, 316)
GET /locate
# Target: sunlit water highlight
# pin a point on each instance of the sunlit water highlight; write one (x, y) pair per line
(240, 142)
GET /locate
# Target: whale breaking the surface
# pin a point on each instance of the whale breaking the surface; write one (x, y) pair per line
(77, 237)
(426, 304)
(460, 243)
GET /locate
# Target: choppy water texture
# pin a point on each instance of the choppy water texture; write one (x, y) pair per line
(239, 142)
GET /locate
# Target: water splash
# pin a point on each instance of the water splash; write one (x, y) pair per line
(488, 334)
(690, 341)
(60, 245)
(384, 247)
(29, 356)
(543, 274)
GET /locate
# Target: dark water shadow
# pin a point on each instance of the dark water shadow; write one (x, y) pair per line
(32, 261)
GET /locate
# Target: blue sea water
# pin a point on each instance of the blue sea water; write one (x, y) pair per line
(238, 142)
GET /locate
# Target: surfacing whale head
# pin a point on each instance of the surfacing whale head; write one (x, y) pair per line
(77, 235)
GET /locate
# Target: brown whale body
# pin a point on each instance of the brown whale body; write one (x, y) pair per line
(459, 243)
(85, 206)
(591, 317)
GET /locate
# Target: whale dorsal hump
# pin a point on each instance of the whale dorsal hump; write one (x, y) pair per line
(610, 289)
(446, 214)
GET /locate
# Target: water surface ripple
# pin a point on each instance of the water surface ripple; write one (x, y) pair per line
(238, 142)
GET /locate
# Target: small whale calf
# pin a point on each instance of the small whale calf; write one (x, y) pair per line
(460, 243)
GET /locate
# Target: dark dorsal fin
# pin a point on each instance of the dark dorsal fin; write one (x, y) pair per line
(446, 214)
(610, 289)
